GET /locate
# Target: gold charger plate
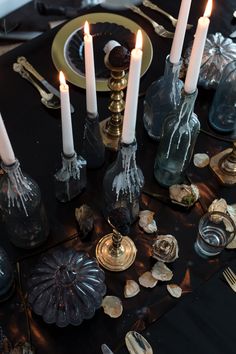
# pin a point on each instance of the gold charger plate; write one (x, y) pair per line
(71, 35)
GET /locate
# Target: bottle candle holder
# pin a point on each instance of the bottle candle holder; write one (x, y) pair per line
(179, 134)
(22, 208)
(162, 97)
(93, 149)
(123, 182)
(70, 180)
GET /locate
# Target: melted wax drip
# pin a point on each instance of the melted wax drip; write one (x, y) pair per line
(70, 168)
(181, 131)
(18, 189)
(129, 180)
(173, 93)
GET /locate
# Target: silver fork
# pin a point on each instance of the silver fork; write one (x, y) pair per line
(173, 20)
(230, 277)
(160, 30)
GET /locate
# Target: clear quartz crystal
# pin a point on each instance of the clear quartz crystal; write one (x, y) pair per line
(70, 180)
(93, 149)
(23, 212)
(162, 97)
(178, 137)
(123, 182)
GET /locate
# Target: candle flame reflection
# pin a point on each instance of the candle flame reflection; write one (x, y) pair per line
(139, 40)
(62, 78)
(86, 28)
(208, 9)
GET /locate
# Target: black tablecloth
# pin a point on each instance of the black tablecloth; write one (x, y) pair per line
(204, 322)
(35, 133)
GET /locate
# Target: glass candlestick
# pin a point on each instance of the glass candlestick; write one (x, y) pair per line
(6, 276)
(93, 148)
(123, 182)
(162, 97)
(178, 137)
(70, 180)
(23, 212)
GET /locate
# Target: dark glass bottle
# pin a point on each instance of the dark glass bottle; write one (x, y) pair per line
(93, 149)
(178, 138)
(70, 180)
(23, 212)
(123, 182)
(161, 98)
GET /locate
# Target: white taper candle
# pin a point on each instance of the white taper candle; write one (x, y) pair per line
(178, 41)
(67, 133)
(129, 123)
(6, 151)
(91, 95)
(197, 51)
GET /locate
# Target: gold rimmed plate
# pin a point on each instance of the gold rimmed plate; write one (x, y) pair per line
(68, 46)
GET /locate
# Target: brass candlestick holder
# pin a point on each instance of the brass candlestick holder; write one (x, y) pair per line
(111, 127)
(115, 252)
(223, 165)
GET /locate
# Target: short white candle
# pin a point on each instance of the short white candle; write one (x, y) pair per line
(197, 51)
(91, 96)
(178, 41)
(131, 105)
(67, 133)
(6, 151)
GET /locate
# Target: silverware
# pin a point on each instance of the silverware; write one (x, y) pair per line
(230, 277)
(173, 20)
(23, 61)
(48, 99)
(160, 30)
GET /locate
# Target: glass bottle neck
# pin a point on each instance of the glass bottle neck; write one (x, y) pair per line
(186, 105)
(15, 174)
(172, 70)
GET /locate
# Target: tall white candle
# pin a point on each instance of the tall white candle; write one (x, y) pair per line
(6, 151)
(67, 133)
(197, 51)
(91, 96)
(129, 123)
(178, 41)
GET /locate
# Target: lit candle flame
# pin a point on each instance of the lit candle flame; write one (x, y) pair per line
(208, 9)
(62, 78)
(139, 40)
(86, 28)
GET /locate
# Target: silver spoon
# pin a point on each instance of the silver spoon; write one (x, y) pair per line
(48, 99)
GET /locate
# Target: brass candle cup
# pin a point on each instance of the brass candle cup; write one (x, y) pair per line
(115, 252)
(223, 165)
